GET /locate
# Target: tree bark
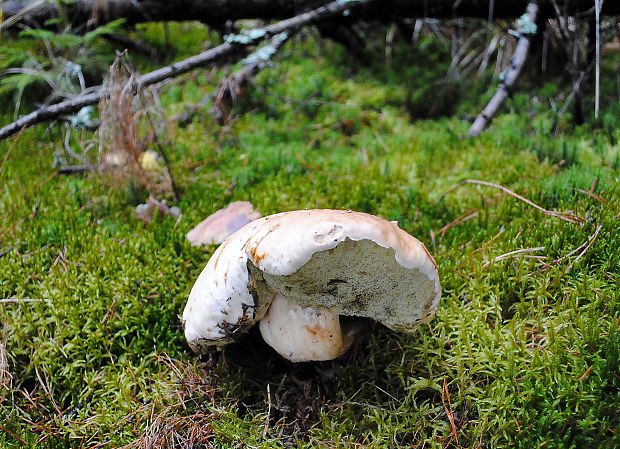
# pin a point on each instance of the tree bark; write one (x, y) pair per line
(217, 12)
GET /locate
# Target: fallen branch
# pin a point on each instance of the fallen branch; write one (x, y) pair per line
(526, 30)
(231, 87)
(217, 12)
(569, 216)
(232, 44)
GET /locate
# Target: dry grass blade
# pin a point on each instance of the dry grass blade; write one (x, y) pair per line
(462, 219)
(184, 418)
(592, 195)
(587, 373)
(579, 251)
(445, 400)
(566, 216)
(268, 417)
(19, 300)
(591, 241)
(5, 374)
(524, 252)
(118, 133)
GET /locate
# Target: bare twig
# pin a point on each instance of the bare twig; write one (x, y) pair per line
(566, 216)
(580, 251)
(231, 45)
(591, 241)
(12, 19)
(511, 75)
(5, 374)
(597, 80)
(445, 400)
(595, 196)
(216, 13)
(462, 219)
(518, 252)
(586, 373)
(19, 300)
(266, 428)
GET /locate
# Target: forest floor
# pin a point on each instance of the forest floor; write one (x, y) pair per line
(523, 352)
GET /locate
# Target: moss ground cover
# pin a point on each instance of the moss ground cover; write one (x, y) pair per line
(524, 351)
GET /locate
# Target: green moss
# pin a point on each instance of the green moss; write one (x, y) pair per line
(528, 354)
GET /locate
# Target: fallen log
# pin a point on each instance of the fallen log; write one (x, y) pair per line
(217, 12)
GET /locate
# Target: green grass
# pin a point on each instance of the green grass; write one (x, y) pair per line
(528, 355)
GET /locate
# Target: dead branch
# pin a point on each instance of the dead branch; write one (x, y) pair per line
(218, 12)
(526, 30)
(232, 44)
(231, 87)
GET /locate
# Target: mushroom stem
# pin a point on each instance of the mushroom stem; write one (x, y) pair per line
(302, 334)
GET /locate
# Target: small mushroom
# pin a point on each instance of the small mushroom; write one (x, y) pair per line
(299, 271)
(155, 208)
(218, 226)
(300, 333)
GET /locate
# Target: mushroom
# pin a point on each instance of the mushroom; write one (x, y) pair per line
(218, 226)
(298, 272)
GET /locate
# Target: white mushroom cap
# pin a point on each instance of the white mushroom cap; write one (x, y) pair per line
(342, 262)
(217, 227)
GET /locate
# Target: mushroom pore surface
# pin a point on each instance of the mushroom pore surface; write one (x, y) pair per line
(360, 278)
